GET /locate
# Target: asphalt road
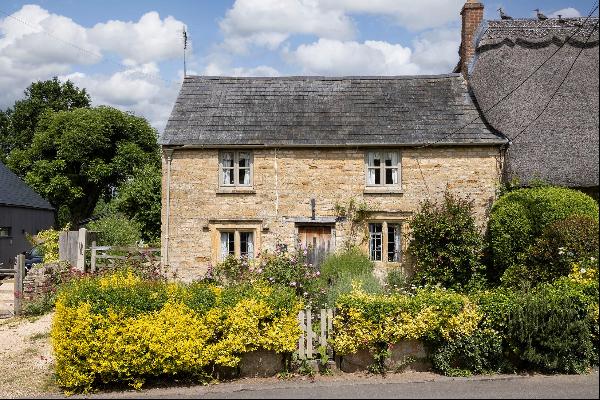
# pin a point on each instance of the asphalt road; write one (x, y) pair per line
(506, 386)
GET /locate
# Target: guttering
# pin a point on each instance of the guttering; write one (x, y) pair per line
(498, 142)
(169, 157)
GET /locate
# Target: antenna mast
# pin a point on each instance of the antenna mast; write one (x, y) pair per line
(184, 48)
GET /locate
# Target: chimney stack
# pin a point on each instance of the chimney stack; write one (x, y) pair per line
(472, 16)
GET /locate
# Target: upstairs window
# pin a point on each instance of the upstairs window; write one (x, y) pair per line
(383, 168)
(4, 231)
(235, 169)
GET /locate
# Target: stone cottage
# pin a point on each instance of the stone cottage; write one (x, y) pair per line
(552, 126)
(252, 162)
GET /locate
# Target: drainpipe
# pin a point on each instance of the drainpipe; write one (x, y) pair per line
(169, 158)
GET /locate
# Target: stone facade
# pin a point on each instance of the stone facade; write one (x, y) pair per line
(286, 179)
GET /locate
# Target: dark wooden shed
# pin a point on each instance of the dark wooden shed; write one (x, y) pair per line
(22, 211)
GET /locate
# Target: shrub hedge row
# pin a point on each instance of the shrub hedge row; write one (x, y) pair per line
(121, 328)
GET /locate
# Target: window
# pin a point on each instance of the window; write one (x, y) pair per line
(385, 241)
(4, 231)
(235, 169)
(237, 243)
(383, 168)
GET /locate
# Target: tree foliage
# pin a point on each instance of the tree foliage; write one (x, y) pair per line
(80, 155)
(139, 198)
(446, 244)
(18, 125)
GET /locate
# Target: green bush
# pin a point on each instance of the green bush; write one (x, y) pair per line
(350, 262)
(345, 283)
(396, 281)
(446, 244)
(479, 353)
(116, 230)
(520, 216)
(549, 328)
(560, 245)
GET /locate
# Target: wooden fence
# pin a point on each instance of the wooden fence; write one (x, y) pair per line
(107, 255)
(310, 340)
(18, 273)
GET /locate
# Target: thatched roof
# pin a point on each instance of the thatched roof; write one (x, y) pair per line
(15, 193)
(561, 147)
(321, 111)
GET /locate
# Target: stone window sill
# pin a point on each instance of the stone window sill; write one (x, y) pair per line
(382, 190)
(236, 190)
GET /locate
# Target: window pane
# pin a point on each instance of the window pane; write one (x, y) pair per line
(371, 175)
(4, 231)
(375, 241)
(373, 159)
(393, 244)
(244, 159)
(377, 176)
(391, 159)
(227, 160)
(246, 244)
(228, 176)
(227, 244)
(244, 176)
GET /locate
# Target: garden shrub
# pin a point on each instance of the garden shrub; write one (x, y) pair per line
(396, 281)
(366, 321)
(348, 263)
(479, 353)
(446, 244)
(116, 229)
(520, 216)
(48, 242)
(346, 282)
(560, 245)
(122, 328)
(551, 327)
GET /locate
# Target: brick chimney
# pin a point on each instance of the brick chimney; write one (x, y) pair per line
(472, 16)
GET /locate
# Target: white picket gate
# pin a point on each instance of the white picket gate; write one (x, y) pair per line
(310, 341)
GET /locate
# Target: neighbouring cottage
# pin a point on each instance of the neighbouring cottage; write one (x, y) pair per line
(252, 162)
(553, 129)
(22, 212)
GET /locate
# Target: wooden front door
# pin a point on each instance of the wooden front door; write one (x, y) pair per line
(318, 241)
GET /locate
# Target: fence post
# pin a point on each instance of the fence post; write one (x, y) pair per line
(309, 334)
(93, 258)
(330, 328)
(323, 336)
(19, 275)
(81, 245)
(301, 354)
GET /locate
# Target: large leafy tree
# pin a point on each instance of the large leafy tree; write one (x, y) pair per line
(139, 198)
(18, 125)
(78, 156)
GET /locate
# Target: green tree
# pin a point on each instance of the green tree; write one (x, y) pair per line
(79, 156)
(39, 97)
(4, 133)
(139, 198)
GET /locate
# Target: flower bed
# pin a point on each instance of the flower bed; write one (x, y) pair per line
(120, 328)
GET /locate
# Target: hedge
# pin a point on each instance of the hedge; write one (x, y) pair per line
(120, 328)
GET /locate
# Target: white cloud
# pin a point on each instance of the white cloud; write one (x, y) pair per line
(436, 51)
(216, 69)
(569, 12)
(37, 45)
(148, 40)
(137, 89)
(270, 22)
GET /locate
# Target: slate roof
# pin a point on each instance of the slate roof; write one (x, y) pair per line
(561, 147)
(310, 110)
(15, 192)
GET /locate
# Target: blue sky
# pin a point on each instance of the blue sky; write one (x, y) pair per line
(128, 53)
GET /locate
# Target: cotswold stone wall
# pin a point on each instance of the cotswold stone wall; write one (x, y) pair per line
(286, 179)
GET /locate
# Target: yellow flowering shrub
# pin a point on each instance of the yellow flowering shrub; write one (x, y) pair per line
(102, 332)
(366, 321)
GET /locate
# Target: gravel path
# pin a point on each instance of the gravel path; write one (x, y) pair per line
(26, 357)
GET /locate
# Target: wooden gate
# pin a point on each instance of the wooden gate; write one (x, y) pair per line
(318, 241)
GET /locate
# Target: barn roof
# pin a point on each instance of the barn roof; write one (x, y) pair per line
(310, 110)
(15, 192)
(561, 146)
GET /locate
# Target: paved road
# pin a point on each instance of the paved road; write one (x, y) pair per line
(509, 387)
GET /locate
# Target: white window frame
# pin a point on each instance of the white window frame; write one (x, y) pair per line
(383, 168)
(237, 253)
(384, 240)
(236, 169)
